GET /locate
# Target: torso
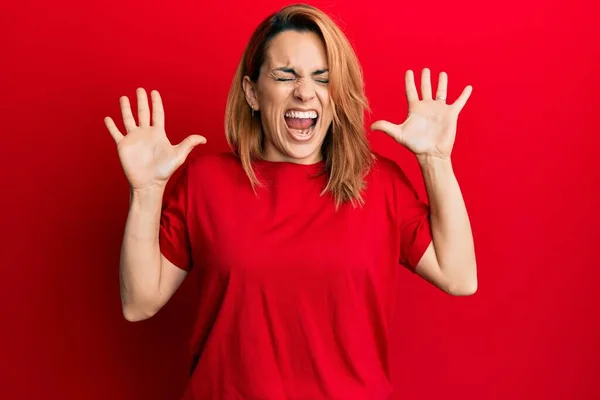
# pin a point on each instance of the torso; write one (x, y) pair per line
(296, 297)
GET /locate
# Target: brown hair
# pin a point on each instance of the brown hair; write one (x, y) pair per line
(345, 148)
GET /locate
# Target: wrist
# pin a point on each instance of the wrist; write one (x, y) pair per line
(147, 195)
(430, 161)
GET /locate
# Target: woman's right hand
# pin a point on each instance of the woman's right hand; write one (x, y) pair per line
(147, 157)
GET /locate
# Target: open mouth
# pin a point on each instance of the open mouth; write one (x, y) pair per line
(301, 124)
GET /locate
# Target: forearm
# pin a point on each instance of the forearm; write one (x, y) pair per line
(140, 254)
(451, 229)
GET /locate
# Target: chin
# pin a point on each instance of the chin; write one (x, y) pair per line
(303, 154)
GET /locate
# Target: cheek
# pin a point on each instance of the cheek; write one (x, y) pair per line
(326, 103)
(273, 96)
(323, 94)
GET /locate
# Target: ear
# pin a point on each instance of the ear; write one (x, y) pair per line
(250, 92)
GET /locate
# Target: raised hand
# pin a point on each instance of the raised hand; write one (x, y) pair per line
(147, 156)
(430, 128)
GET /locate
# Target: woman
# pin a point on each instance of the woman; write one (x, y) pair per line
(297, 234)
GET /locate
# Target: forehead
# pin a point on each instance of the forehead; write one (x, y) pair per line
(301, 50)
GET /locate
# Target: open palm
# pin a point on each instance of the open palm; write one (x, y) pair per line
(430, 128)
(147, 156)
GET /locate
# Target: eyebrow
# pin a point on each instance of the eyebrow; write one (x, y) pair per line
(293, 71)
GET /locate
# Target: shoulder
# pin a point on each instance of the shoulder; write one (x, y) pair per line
(388, 176)
(212, 164)
(387, 170)
(206, 167)
(209, 170)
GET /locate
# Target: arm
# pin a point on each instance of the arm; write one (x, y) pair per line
(449, 262)
(147, 279)
(429, 133)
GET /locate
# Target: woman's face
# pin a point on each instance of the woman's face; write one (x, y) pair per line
(293, 97)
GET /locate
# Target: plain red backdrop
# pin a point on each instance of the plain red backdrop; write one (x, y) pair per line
(526, 157)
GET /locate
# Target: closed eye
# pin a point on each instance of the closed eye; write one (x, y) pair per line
(323, 81)
(317, 75)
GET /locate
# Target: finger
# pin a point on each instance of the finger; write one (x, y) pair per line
(187, 145)
(411, 89)
(112, 128)
(426, 84)
(128, 119)
(442, 88)
(387, 127)
(158, 112)
(143, 109)
(462, 99)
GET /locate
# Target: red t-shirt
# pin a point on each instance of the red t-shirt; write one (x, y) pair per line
(296, 297)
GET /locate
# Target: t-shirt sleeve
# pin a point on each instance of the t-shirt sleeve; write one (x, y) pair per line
(173, 234)
(414, 222)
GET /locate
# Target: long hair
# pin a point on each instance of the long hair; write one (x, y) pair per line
(345, 148)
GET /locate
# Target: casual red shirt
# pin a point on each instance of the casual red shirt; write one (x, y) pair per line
(296, 297)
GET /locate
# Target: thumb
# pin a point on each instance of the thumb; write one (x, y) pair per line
(391, 129)
(184, 148)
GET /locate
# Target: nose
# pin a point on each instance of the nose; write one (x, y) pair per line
(304, 91)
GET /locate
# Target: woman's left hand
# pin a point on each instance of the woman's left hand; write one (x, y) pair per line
(430, 128)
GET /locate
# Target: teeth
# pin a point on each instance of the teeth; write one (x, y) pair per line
(301, 114)
(303, 132)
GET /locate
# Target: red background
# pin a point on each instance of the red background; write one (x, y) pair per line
(526, 157)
